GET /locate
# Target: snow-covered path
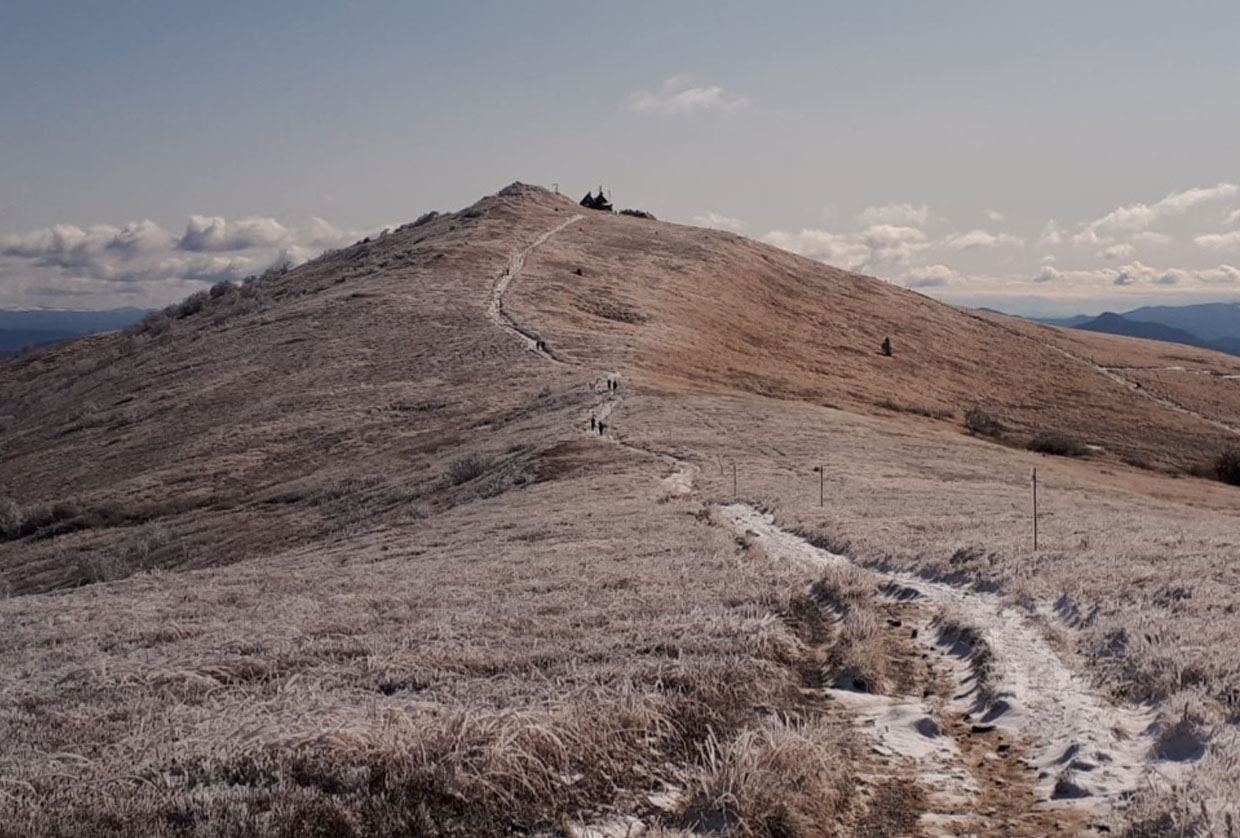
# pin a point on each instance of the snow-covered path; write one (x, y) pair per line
(1082, 750)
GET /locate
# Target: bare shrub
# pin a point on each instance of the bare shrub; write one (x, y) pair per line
(612, 309)
(468, 468)
(916, 410)
(1227, 466)
(978, 421)
(52, 519)
(133, 554)
(188, 307)
(153, 324)
(781, 779)
(1057, 444)
(11, 519)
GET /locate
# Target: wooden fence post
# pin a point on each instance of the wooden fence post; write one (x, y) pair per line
(1035, 510)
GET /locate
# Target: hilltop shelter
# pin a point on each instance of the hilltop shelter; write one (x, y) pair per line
(597, 202)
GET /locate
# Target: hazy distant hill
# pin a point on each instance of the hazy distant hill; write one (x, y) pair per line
(1117, 324)
(1130, 326)
(1208, 321)
(39, 327)
(15, 340)
(1066, 322)
(1207, 325)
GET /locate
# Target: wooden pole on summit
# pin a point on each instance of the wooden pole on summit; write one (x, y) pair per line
(735, 493)
(822, 485)
(1035, 510)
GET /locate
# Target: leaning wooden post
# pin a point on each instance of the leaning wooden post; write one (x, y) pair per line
(1035, 510)
(822, 483)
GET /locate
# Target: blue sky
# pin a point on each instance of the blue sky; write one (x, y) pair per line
(1027, 156)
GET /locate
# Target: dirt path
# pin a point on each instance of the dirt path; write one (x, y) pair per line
(495, 310)
(999, 733)
(1026, 728)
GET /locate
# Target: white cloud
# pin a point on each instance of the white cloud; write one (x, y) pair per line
(981, 238)
(710, 218)
(141, 263)
(1219, 241)
(70, 246)
(1089, 236)
(1152, 238)
(993, 214)
(1132, 217)
(902, 214)
(1051, 234)
(1116, 251)
(1233, 217)
(1137, 273)
(879, 245)
(838, 249)
(1048, 273)
(213, 233)
(679, 95)
(930, 276)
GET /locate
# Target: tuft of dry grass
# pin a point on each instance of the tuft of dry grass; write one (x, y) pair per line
(469, 468)
(859, 655)
(784, 779)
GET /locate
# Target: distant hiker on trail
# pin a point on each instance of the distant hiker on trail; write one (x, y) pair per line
(602, 428)
(888, 349)
(592, 423)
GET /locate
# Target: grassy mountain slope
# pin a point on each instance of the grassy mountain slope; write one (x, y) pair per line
(337, 553)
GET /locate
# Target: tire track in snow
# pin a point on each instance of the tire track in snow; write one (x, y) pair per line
(1083, 751)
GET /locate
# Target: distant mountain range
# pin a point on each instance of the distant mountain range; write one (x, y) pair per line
(39, 327)
(1206, 325)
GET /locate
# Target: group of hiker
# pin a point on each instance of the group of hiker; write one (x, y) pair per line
(600, 425)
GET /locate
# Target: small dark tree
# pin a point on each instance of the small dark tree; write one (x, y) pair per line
(888, 349)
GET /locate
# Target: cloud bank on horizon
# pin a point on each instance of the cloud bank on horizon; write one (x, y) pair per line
(141, 264)
(1065, 154)
(1185, 244)
(1127, 250)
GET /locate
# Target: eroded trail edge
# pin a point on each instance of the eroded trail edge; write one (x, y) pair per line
(1080, 751)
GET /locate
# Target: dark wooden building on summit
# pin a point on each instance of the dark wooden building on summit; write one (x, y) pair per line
(597, 202)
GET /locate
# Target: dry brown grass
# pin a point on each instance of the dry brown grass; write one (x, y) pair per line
(489, 669)
(775, 780)
(374, 573)
(859, 654)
